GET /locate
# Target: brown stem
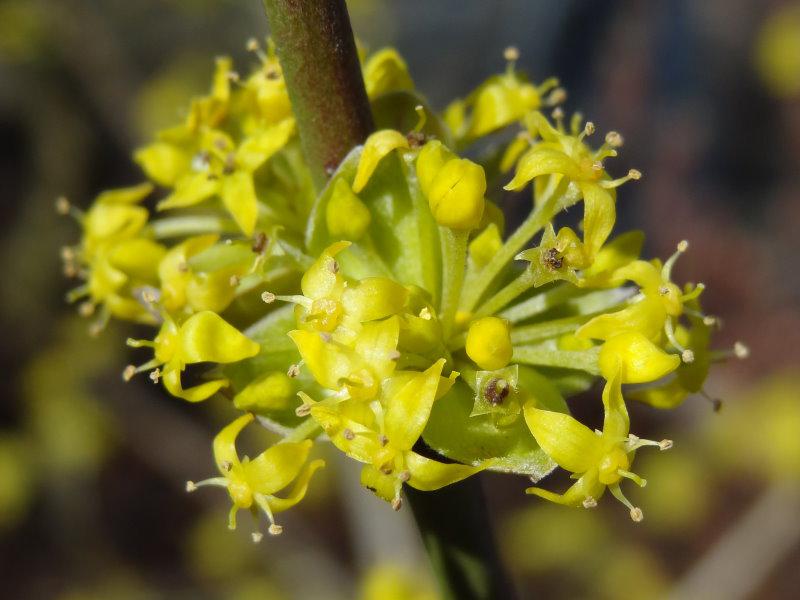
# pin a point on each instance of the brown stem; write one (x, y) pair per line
(318, 56)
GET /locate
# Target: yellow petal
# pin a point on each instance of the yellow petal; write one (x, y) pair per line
(598, 217)
(349, 436)
(346, 215)
(646, 316)
(587, 487)
(377, 146)
(270, 391)
(322, 277)
(206, 337)
(239, 197)
(616, 423)
(668, 396)
(382, 485)
(374, 298)
(329, 364)
(376, 345)
(198, 393)
(128, 195)
(259, 147)
(191, 189)
(542, 161)
(276, 467)
(106, 222)
(570, 443)
(408, 409)
(225, 443)
(641, 360)
(385, 72)
(138, 258)
(163, 162)
(298, 490)
(428, 475)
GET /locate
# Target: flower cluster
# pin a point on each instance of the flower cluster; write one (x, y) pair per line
(388, 313)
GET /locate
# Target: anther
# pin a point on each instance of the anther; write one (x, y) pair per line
(663, 290)
(687, 356)
(233, 76)
(149, 296)
(86, 309)
(348, 434)
(557, 96)
(741, 351)
(257, 536)
(268, 297)
(386, 468)
(62, 205)
(325, 337)
(155, 375)
(589, 502)
(511, 53)
(709, 321)
(183, 267)
(383, 440)
(128, 373)
(558, 113)
(636, 514)
(303, 410)
(293, 371)
(397, 504)
(425, 313)
(394, 355)
(614, 139)
(665, 445)
(589, 128)
(275, 529)
(404, 475)
(227, 465)
(252, 45)
(597, 165)
(635, 174)
(259, 242)
(234, 281)
(191, 486)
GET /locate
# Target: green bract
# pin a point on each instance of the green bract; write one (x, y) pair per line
(389, 310)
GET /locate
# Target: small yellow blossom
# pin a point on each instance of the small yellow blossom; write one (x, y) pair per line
(203, 337)
(252, 484)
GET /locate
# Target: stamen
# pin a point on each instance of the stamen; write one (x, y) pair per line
(635, 512)
(589, 502)
(397, 503)
(191, 486)
(404, 475)
(741, 351)
(666, 271)
(234, 281)
(632, 476)
(557, 96)
(511, 53)
(155, 375)
(275, 529)
(716, 403)
(637, 515)
(695, 293)
(633, 175)
(268, 297)
(687, 356)
(669, 330)
(422, 117)
(257, 537)
(128, 372)
(303, 410)
(294, 370)
(665, 445)
(348, 434)
(614, 139)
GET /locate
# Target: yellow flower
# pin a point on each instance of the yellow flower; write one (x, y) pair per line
(182, 286)
(386, 446)
(386, 72)
(252, 484)
(377, 146)
(224, 169)
(567, 157)
(598, 460)
(500, 101)
(654, 312)
(557, 257)
(203, 337)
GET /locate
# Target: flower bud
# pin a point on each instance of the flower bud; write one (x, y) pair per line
(489, 343)
(454, 187)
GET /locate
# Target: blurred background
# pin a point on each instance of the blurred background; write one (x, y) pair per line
(707, 95)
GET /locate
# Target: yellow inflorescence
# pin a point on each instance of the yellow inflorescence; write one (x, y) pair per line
(386, 310)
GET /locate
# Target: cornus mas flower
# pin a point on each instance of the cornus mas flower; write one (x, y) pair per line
(390, 313)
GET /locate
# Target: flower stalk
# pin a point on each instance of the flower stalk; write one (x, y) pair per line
(317, 53)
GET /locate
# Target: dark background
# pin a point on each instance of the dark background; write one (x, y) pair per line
(92, 471)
